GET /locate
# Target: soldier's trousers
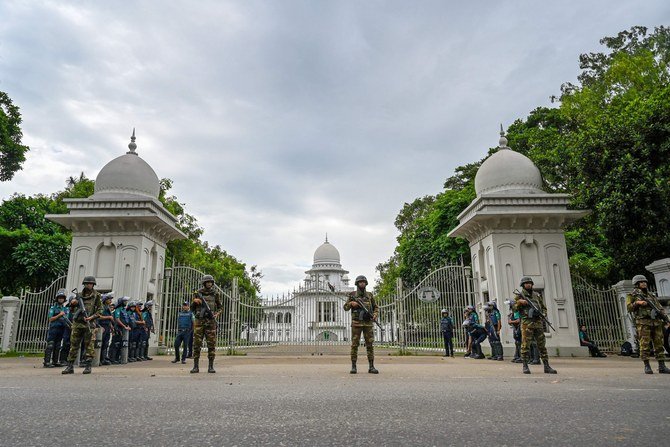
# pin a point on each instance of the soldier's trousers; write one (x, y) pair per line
(368, 335)
(204, 329)
(81, 331)
(529, 332)
(651, 331)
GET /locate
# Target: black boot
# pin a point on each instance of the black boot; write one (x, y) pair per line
(87, 367)
(146, 352)
(211, 366)
(501, 352)
(131, 352)
(478, 352)
(662, 369)
(353, 367)
(47, 355)
(526, 369)
(647, 367)
(372, 369)
(176, 357)
(195, 367)
(69, 369)
(548, 369)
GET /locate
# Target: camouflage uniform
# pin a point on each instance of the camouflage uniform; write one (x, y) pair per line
(360, 324)
(205, 327)
(648, 328)
(531, 328)
(82, 329)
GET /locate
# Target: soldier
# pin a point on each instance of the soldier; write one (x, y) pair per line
(532, 326)
(514, 320)
(206, 306)
(148, 318)
(649, 317)
(361, 321)
(493, 325)
(81, 325)
(477, 334)
(447, 329)
(184, 331)
(58, 324)
(106, 322)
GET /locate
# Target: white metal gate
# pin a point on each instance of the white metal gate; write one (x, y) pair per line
(33, 324)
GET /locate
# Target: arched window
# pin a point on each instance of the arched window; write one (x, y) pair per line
(287, 318)
(271, 317)
(280, 318)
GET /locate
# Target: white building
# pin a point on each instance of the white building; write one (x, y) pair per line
(314, 312)
(516, 229)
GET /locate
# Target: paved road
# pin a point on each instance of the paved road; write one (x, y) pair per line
(314, 401)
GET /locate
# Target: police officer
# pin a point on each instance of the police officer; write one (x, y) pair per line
(514, 320)
(58, 323)
(493, 325)
(136, 329)
(206, 305)
(532, 326)
(469, 313)
(447, 329)
(81, 326)
(65, 349)
(184, 330)
(147, 316)
(106, 322)
(649, 316)
(121, 325)
(477, 334)
(361, 322)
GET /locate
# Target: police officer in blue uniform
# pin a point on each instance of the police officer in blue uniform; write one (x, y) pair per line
(135, 331)
(477, 334)
(121, 325)
(514, 320)
(184, 331)
(147, 316)
(106, 323)
(447, 329)
(493, 325)
(58, 324)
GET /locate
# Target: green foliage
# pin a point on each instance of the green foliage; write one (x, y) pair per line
(607, 144)
(12, 152)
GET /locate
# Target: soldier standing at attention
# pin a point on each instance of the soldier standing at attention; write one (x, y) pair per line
(58, 323)
(206, 306)
(649, 316)
(532, 326)
(81, 325)
(361, 321)
(447, 329)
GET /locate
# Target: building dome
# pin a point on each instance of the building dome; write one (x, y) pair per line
(127, 175)
(326, 254)
(508, 172)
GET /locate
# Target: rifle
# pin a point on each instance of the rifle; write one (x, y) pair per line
(67, 322)
(365, 309)
(655, 311)
(82, 310)
(205, 310)
(535, 309)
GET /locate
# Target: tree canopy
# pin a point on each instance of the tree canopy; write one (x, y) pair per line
(606, 141)
(12, 152)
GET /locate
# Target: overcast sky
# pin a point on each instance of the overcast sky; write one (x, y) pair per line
(280, 121)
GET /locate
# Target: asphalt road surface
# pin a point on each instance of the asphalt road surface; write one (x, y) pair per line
(314, 401)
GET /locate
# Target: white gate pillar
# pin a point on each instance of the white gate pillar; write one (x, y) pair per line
(623, 288)
(9, 312)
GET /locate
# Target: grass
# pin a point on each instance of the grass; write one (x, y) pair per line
(17, 354)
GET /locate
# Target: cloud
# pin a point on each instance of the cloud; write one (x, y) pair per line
(281, 121)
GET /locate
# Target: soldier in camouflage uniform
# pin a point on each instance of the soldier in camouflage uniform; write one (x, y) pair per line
(81, 326)
(532, 326)
(649, 323)
(205, 322)
(361, 321)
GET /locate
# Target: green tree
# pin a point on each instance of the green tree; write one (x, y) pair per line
(12, 152)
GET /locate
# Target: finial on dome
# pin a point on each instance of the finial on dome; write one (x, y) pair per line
(132, 146)
(327, 238)
(502, 143)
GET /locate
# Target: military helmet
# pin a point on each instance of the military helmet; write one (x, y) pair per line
(360, 278)
(524, 280)
(207, 278)
(61, 293)
(638, 279)
(89, 280)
